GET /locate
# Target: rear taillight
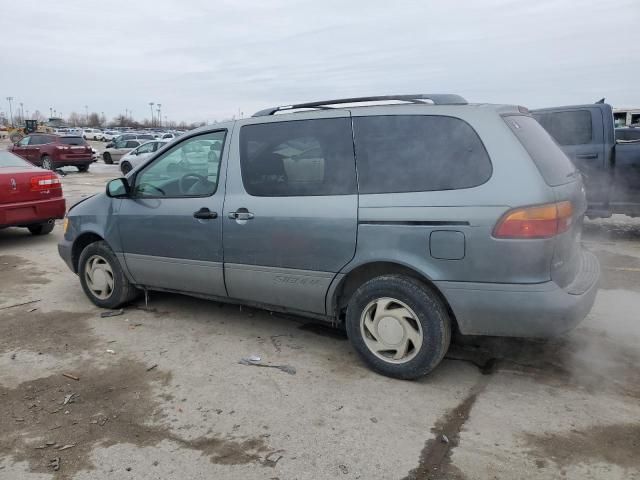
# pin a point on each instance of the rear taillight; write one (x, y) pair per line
(62, 147)
(540, 221)
(45, 182)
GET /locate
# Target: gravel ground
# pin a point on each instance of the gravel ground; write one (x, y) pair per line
(160, 393)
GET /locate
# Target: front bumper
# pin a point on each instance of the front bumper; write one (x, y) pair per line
(520, 310)
(64, 249)
(31, 213)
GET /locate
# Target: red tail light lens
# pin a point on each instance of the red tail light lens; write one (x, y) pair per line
(541, 221)
(45, 182)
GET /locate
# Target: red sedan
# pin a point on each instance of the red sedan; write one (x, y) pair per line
(30, 197)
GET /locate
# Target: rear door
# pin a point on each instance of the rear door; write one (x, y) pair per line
(290, 211)
(579, 131)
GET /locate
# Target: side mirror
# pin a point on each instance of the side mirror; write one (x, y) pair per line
(118, 188)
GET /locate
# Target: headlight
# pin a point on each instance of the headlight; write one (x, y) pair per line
(65, 225)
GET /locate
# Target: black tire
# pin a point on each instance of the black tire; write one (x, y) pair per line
(123, 291)
(107, 158)
(83, 168)
(41, 229)
(47, 164)
(433, 318)
(125, 168)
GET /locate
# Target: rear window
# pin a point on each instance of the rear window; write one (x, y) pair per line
(72, 141)
(146, 137)
(554, 165)
(417, 153)
(8, 159)
(571, 127)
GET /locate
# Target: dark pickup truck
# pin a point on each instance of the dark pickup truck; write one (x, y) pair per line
(608, 159)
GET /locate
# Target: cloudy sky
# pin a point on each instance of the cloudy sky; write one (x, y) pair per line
(211, 59)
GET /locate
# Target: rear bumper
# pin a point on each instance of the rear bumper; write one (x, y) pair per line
(30, 213)
(65, 160)
(517, 310)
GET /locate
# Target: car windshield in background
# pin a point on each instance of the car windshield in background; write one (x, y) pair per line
(8, 159)
(554, 165)
(72, 141)
(146, 137)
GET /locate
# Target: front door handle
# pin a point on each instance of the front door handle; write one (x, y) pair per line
(205, 214)
(587, 155)
(241, 214)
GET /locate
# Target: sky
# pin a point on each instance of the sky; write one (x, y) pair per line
(207, 60)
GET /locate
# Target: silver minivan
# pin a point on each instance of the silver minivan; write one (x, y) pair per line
(401, 218)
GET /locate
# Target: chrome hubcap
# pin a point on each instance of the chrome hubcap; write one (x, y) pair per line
(391, 331)
(99, 277)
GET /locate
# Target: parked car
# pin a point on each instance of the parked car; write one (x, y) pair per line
(30, 197)
(119, 149)
(139, 155)
(52, 151)
(168, 136)
(109, 135)
(627, 134)
(610, 164)
(131, 136)
(460, 218)
(92, 134)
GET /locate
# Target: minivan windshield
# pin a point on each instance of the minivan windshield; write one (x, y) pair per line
(556, 168)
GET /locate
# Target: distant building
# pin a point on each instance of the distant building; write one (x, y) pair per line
(625, 117)
(55, 122)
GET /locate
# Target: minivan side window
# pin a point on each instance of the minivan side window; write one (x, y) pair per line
(418, 153)
(298, 158)
(189, 169)
(571, 127)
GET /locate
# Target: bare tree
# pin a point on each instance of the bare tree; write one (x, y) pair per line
(94, 120)
(75, 119)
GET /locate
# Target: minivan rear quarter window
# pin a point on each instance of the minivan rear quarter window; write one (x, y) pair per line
(553, 164)
(414, 153)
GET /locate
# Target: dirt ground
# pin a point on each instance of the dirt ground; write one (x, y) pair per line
(158, 392)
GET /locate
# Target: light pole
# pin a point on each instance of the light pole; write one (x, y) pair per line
(160, 114)
(10, 99)
(50, 112)
(22, 110)
(151, 104)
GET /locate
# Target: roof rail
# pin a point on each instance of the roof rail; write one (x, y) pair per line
(436, 98)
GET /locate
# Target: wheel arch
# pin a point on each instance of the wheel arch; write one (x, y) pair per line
(338, 298)
(80, 244)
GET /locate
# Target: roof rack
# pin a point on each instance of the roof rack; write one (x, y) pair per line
(436, 98)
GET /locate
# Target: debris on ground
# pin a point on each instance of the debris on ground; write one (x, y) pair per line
(19, 304)
(444, 438)
(55, 464)
(256, 363)
(72, 377)
(31, 310)
(343, 469)
(13, 356)
(112, 313)
(66, 447)
(112, 352)
(374, 419)
(69, 398)
(152, 367)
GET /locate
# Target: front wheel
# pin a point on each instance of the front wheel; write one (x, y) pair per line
(102, 278)
(126, 168)
(107, 158)
(398, 326)
(41, 229)
(47, 164)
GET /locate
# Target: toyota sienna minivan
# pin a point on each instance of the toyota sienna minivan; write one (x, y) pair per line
(402, 218)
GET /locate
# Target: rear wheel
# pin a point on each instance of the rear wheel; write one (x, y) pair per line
(107, 158)
(47, 163)
(41, 229)
(102, 278)
(399, 327)
(126, 168)
(83, 168)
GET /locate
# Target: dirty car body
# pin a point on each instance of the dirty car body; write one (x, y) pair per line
(462, 217)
